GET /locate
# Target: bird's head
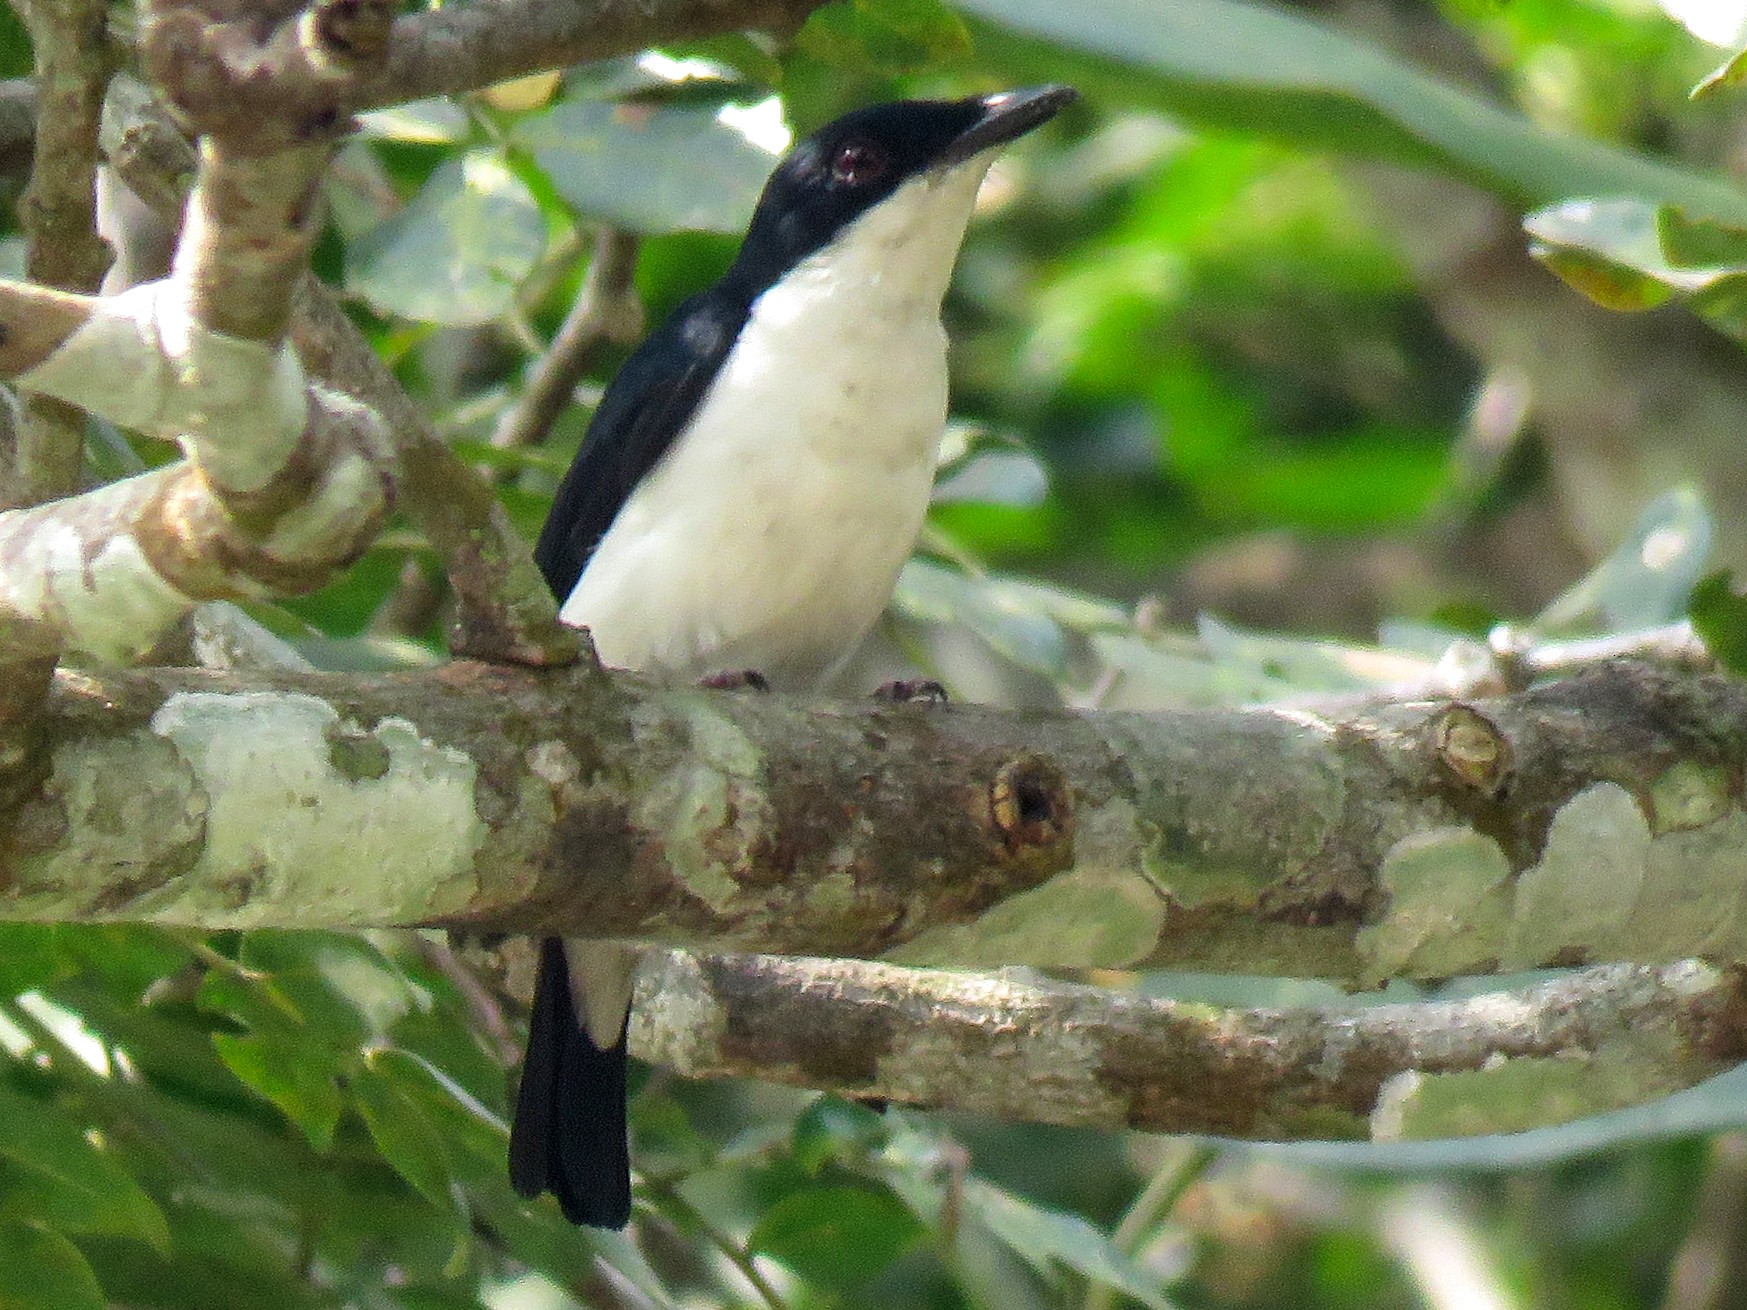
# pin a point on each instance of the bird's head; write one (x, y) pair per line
(911, 167)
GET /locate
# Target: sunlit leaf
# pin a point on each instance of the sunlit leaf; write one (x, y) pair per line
(404, 1134)
(1266, 69)
(303, 1087)
(437, 120)
(1727, 75)
(1309, 666)
(648, 167)
(1004, 617)
(1646, 581)
(884, 36)
(1630, 255)
(456, 254)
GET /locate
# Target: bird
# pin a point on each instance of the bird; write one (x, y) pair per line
(754, 478)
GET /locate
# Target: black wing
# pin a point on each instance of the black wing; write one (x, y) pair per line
(649, 402)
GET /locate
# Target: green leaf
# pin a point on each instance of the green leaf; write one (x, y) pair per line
(1647, 581)
(437, 120)
(55, 1172)
(42, 1270)
(648, 167)
(1700, 242)
(1043, 1237)
(1731, 73)
(304, 1089)
(888, 37)
(458, 251)
(835, 1237)
(404, 1133)
(1260, 69)
(31, 955)
(1631, 255)
(832, 1128)
(989, 607)
(1719, 615)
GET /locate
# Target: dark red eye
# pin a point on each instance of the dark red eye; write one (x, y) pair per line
(858, 163)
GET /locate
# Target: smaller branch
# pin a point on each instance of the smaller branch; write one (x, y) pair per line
(59, 216)
(461, 48)
(606, 311)
(1599, 1039)
(44, 450)
(58, 212)
(504, 611)
(1186, 1160)
(737, 1255)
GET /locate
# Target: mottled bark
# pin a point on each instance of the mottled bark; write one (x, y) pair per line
(1593, 819)
(1601, 1039)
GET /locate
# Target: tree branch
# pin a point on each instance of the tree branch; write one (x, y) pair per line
(1600, 1039)
(465, 47)
(1591, 819)
(58, 215)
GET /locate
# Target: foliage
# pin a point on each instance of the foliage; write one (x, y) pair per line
(1183, 326)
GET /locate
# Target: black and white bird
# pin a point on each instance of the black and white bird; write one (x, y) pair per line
(752, 482)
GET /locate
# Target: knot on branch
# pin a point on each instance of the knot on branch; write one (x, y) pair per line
(348, 35)
(289, 537)
(1030, 804)
(265, 77)
(1472, 749)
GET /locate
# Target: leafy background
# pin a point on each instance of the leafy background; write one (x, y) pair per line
(1259, 375)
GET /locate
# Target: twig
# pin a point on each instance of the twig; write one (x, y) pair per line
(737, 1254)
(42, 445)
(1184, 1163)
(606, 311)
(482, 1007)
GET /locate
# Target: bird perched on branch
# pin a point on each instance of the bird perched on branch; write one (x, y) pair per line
(752, 482)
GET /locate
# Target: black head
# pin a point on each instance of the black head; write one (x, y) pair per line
(848, 166)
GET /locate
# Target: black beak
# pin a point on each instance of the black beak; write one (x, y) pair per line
(1006, 116)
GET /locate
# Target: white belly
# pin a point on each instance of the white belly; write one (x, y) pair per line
(771, 535)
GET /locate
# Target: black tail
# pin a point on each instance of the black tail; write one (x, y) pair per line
(569, 1136)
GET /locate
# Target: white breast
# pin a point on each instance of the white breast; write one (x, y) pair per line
(770, 536)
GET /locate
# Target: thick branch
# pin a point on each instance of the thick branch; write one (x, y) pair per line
(1601, 1039)
(1592, 819)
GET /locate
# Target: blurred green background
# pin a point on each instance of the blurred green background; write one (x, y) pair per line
(1255, 367)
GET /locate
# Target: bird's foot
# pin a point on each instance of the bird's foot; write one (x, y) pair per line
(736, 680)
(907, 691)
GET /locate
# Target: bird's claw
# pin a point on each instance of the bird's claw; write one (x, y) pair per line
(908, 691)
(736, 680)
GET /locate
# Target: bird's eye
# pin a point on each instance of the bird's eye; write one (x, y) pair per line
(858, 163)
